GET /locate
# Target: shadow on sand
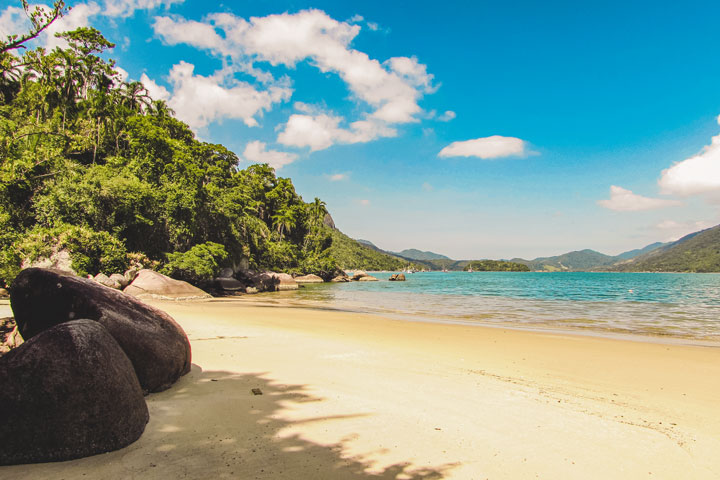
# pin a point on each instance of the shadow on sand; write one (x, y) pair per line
(210, 425)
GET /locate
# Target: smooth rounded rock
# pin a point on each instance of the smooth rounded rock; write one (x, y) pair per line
(151, 284)
(68, 392)
(309, 279)
(155, 344)
(368, 278)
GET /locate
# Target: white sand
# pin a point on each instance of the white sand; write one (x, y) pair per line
(357, 396)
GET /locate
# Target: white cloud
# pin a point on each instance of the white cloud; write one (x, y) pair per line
(199, 100)
(125, 8)
(364, 202)
(485, 148)
(13, 21)
(447, 116)
(156, 92)
(255, 152)
(337, 177)
(698, 174)
(202, 35)
(392, 88)
(623, 200)
(427, 187)
(322, 131)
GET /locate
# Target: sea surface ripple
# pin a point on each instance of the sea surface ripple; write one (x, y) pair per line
(659, 304)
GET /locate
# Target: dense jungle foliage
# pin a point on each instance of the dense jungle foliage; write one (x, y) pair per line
(92, 165)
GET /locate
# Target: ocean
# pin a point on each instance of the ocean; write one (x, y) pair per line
(672, 305)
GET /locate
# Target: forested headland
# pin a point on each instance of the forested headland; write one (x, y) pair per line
(93, 166)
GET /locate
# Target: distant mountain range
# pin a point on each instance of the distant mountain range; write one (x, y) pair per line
(416, 254)
(697, 252)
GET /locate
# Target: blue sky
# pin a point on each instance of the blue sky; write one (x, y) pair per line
(472, 129)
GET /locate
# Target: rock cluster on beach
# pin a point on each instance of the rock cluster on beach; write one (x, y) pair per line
(75, 386)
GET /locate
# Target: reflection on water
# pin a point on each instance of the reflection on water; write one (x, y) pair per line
(681, 305)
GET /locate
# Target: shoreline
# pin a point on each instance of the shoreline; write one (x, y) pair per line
(284, 299)
(358, 396)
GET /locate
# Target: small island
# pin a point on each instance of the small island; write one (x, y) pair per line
(495, 266)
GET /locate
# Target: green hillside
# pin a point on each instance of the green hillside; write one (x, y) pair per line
(351, 254)
(416, 254)
(578, 261)
(698, 252)
(641, 251)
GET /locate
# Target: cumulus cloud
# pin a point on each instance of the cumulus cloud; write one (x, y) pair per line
(125, 8)
(486, 148)
(447, 116)
(392, 88)
(156, 92)
(12, 21)
(699, 174)
(623, 200)
(256, 152)
(321, 131)
(199, 100)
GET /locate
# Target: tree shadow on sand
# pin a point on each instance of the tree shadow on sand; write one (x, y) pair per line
(211, 425)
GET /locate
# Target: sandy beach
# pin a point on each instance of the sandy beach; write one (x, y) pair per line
(347, 395)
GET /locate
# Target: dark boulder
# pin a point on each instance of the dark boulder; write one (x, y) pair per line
(68, 392)
(155, 344)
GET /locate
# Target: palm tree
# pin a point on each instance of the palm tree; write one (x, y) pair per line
(318, 210)
(284, 221)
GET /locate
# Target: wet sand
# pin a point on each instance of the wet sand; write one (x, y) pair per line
(348, 395)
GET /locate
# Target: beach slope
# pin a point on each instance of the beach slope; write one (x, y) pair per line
(356, 396)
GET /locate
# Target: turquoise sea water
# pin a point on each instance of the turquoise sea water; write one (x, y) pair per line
(666, 304)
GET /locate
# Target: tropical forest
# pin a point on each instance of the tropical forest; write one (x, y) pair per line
(93, 166)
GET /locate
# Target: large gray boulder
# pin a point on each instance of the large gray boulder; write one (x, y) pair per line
(151, 284)
(357, 275)
(270, 281)
(285, 282)
(367, 278)
(155, 344)
(68, 392)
